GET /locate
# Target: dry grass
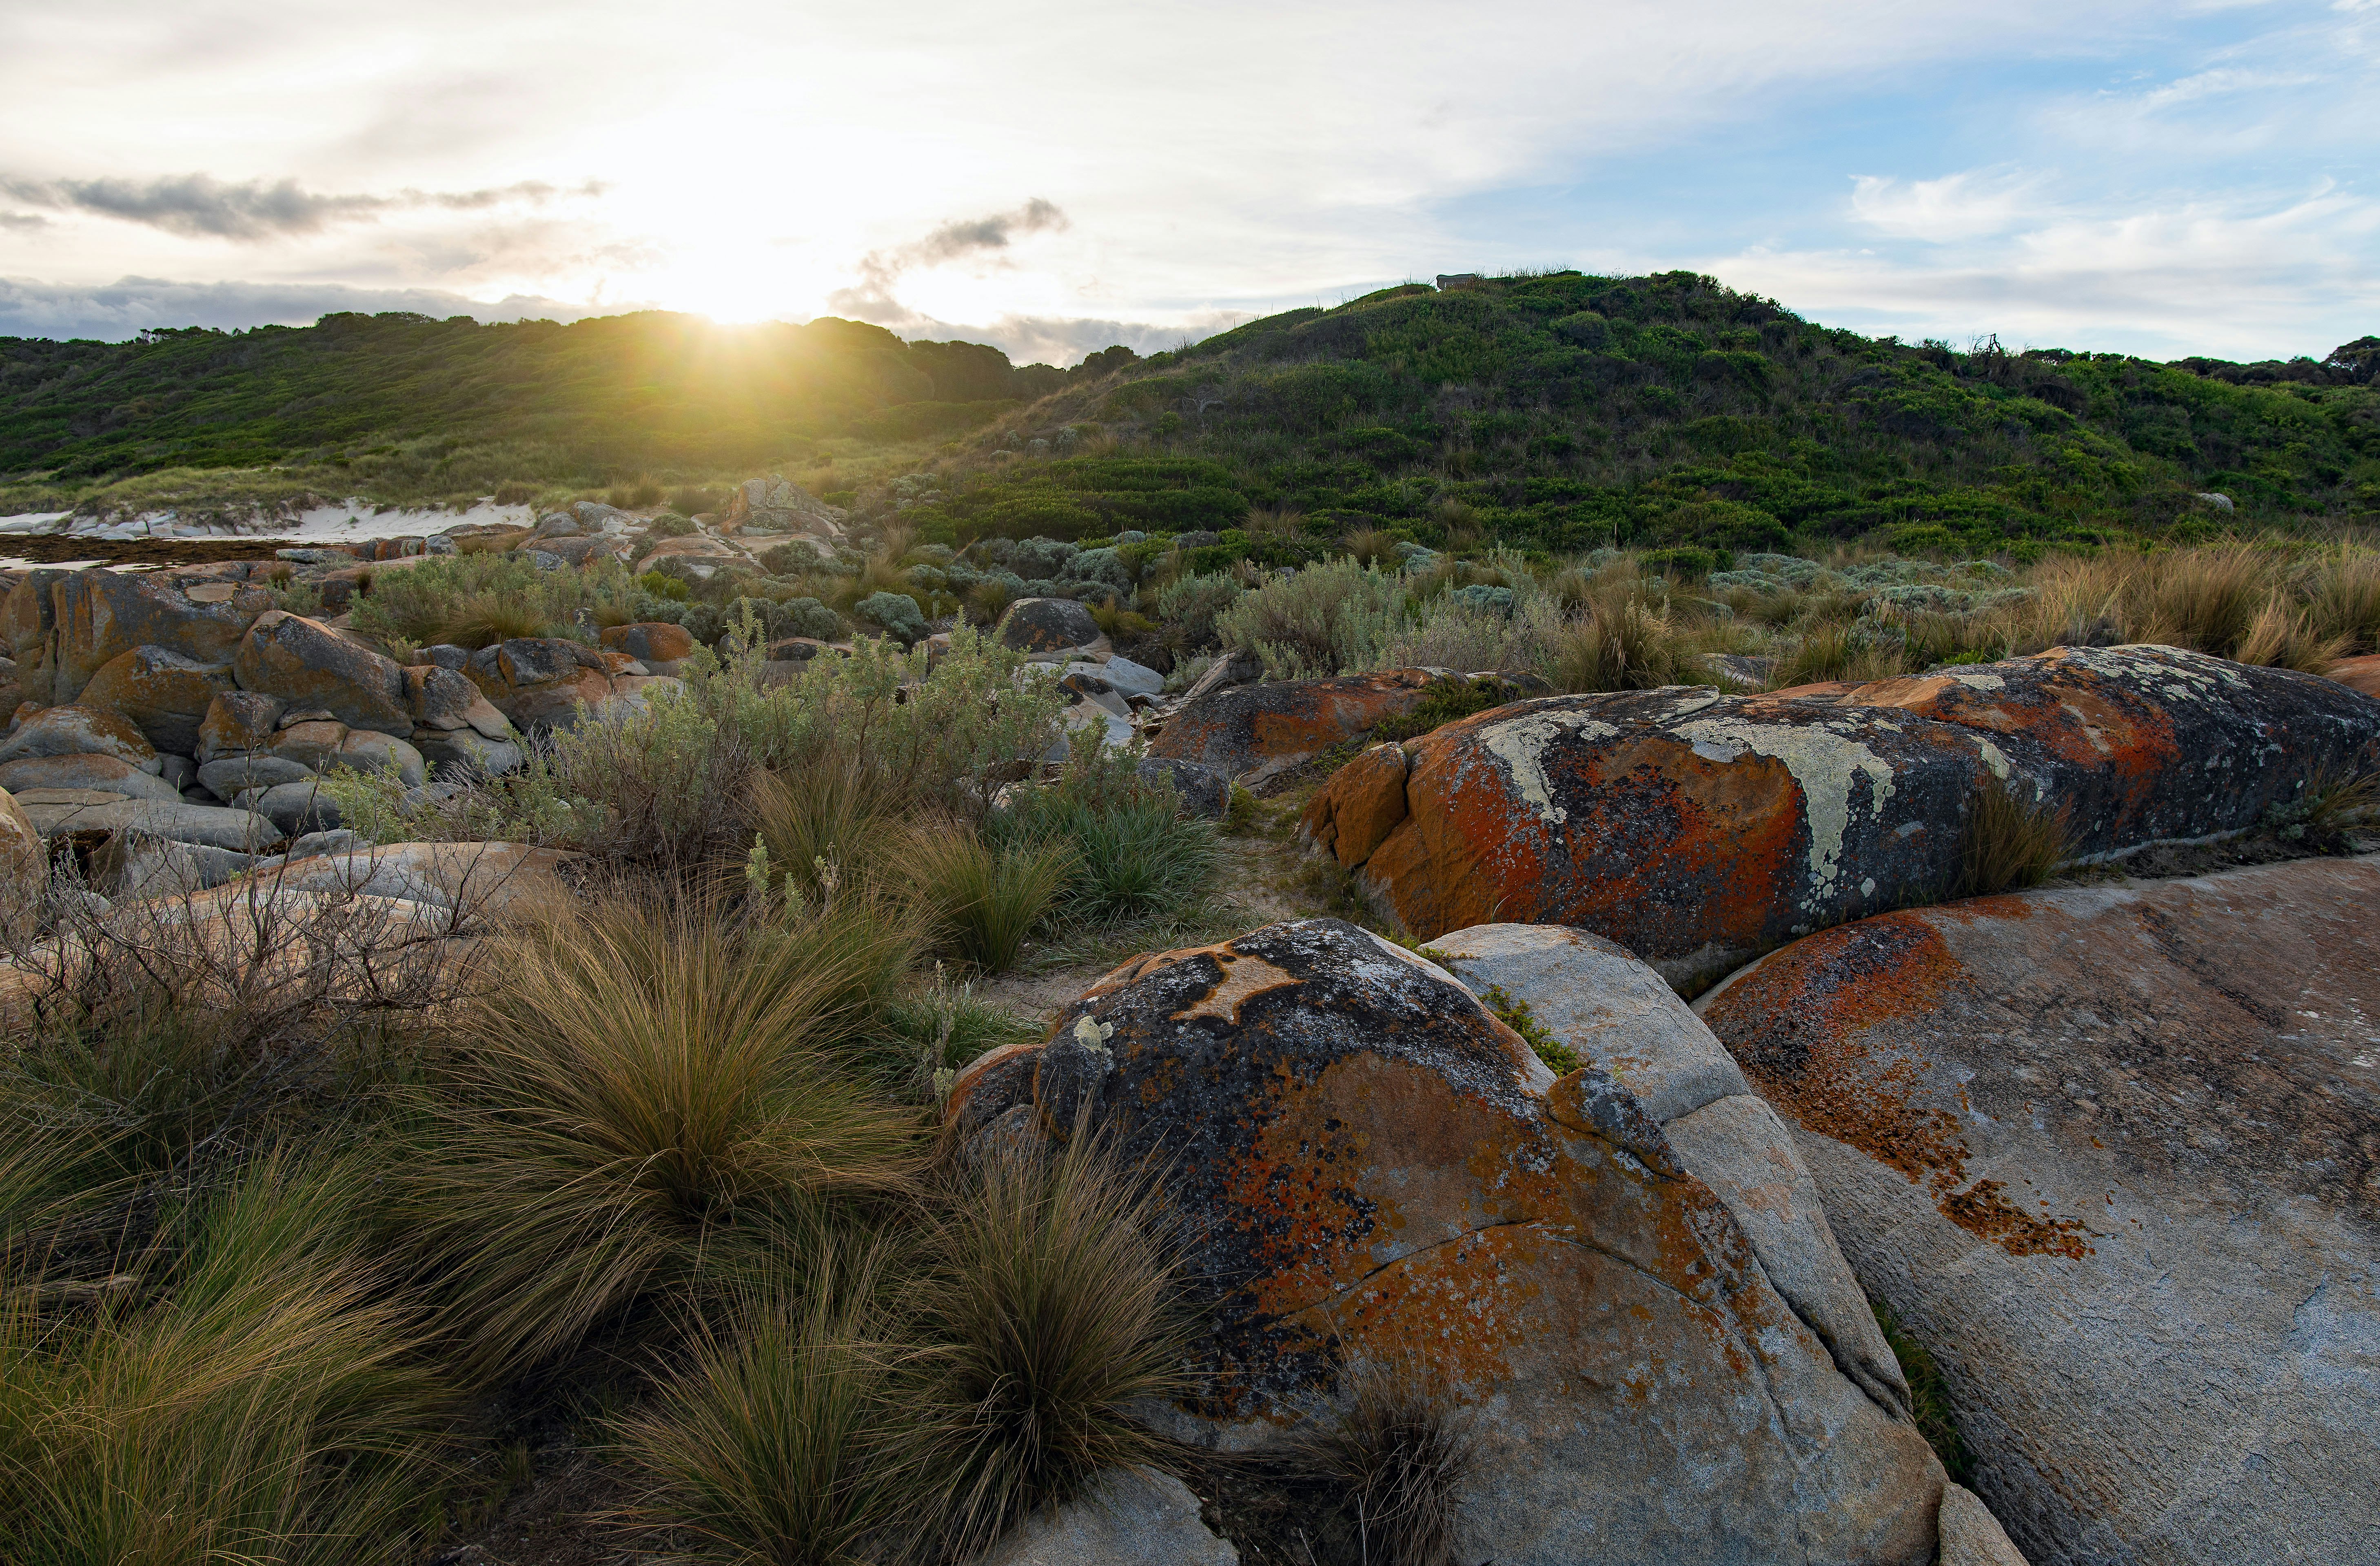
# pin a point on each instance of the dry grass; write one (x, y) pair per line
(1275, 522)
(985, 900)
(1621, 642)
(1055, 1309)
(1371, 546)
(651, 1086)
(268, 1405)
(2008, 843)
(1400, 1458)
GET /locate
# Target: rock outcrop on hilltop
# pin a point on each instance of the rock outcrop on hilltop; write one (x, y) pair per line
(1699, 831)
(2111, 1152)
(1375, 1177)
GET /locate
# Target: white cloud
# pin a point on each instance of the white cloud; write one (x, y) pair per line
(1968, 205)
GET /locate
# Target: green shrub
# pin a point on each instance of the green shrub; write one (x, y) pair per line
(1324, 620)
(895, 612)
(1134, 853)
(669, 525)
(1194, 604)
(939, 736)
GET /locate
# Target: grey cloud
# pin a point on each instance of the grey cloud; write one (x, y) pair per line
(201, 205)
(22, 220)
(872, 297)
(117, 310)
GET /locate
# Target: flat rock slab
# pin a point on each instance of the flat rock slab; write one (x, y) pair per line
(1125, 1519)
(74, 810)
(1699, 831)
(1374, 1176)
(2113, 1154)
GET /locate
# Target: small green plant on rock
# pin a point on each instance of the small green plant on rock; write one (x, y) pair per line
(1515, 1014)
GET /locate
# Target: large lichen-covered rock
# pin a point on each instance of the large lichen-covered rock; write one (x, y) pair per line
(650, 641)
(1266, 729)
(541, 683)
(107, 774)
(1374, 1176)
(165, 695)
(2111, 1154)
(1699, 831)
(1618, 1015)
(66, 625)
(80, 730)
(309, 665)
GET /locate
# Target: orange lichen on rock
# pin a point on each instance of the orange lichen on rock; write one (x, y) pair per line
(1801, 1026)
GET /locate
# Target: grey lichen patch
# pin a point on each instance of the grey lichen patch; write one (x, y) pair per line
(1521, 743)
(1824, 763)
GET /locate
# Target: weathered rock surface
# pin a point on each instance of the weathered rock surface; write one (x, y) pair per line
(55, 810)
(1202, 790)
(79, 731)
(107, 774)
(2360, 673)
(307, 664)
(776, 505)
(1375, 1174)
(1267, 729)
(2111, 1154)
(1046, 624)
(1125, 1519)
(24, 862)
(650, 641)
(66, 625)
(163, 692)
(1971, 1534)
(541, 683)
(1620, 1017)
(481, 879)
(1699, 831)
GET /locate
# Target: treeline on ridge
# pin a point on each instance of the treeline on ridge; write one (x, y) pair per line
(651, 390)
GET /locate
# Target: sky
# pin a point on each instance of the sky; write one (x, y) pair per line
(1052, 177)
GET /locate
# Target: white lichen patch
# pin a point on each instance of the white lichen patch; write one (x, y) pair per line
(1825, 763)
(1980, 681)
(1521, 743)
(1993, 758)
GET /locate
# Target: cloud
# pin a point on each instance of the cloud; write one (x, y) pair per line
(120, 309)
(23, 221)
(1968, 205)
(200, 205)
(872, 297)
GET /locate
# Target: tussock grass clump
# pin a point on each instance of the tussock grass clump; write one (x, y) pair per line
(791, 1439)
(653, 1086)
(1619, 643)
(1398, 1457)
(985, 899)
(1134, 853)
(257, 1398)
(484, 619)
(2008, 843)
(1054, 1310)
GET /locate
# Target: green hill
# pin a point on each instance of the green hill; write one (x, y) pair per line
(619, 393)
(1567, 411)
(1557, 411)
